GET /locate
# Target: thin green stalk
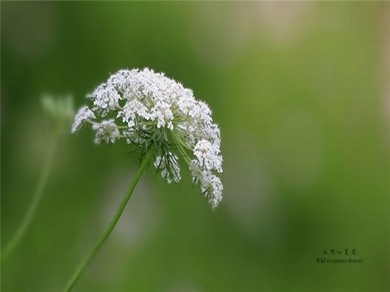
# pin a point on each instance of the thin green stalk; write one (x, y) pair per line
(113, 222)
(29, 216)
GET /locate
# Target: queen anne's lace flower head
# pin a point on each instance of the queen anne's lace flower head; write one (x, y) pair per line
(149, 109)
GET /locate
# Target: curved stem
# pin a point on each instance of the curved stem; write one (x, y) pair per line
(35, 200)
(113, 222)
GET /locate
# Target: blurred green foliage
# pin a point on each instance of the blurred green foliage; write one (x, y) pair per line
(300, 91)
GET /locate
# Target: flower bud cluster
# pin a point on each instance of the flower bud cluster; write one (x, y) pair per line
(149, 109)
(60, 110)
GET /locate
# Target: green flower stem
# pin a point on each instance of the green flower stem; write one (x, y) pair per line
(29, 216)
(148, 157)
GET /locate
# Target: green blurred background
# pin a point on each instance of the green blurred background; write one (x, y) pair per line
(301, 93)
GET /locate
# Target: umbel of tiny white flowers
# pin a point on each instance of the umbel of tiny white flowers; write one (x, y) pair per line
(150, 110)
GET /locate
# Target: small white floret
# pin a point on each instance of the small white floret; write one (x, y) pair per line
(106, 131)
(82, 115)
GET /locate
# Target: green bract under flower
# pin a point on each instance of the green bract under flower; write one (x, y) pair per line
(149, 109)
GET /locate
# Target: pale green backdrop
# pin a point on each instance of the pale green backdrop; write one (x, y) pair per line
(301, 93)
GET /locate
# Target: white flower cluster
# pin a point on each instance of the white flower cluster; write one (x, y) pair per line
(149, 109)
